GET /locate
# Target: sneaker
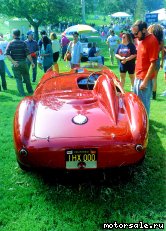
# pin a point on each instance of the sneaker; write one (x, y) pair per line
(163, 94)
(154, 95)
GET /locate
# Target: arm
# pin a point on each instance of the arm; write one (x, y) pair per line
(15, 63)
(153, 56)
(48, 51)
(81, 52)
(128, 58)
(107, 42)
(150, 71)
(162, 55)
(133, 54)
(8, 55)
(120, 57)
(30, 59)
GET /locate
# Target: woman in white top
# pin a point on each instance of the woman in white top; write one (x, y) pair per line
(56, 50)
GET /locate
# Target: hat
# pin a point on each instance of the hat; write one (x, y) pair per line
(30, 33)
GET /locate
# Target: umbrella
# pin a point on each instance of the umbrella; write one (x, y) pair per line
(161, 14)
(120, 15)
(80, 28)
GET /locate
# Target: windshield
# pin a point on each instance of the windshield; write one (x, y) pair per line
(92, 66)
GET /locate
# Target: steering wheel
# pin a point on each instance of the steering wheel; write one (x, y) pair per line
(90, 80)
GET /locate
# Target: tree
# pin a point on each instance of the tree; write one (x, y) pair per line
(152, 5)
(140, 10)
(41, 12)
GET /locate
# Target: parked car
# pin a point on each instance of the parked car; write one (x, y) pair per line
(80, 120)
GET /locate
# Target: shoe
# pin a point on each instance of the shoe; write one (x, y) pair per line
(31, 92)
(163, 94)
(33, 81)
(154, 95)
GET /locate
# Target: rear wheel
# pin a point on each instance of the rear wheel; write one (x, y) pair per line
(24, 167)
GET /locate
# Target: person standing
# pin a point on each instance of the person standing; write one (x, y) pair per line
(40, 42)
(17, 52)
(112, 41)
(164, 68)
(34, 49)
(75, 47)
(56, 50)
(2, 65)
(5, 43)
(64, 43)
(46, 53)
(126, 53)
(147, 55)
(157, 30)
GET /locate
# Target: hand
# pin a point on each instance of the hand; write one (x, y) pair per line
(33, 65)
(143, 85)
(15, 63)
(123, 61)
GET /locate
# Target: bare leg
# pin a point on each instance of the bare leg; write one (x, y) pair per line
(132, 76)
(122, 78)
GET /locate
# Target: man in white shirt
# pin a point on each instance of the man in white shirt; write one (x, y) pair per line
(2, 63)
(112, 41)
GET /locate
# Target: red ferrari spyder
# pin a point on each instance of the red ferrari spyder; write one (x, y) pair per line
(80, 119)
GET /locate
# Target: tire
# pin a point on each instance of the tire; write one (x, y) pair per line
(24, 167)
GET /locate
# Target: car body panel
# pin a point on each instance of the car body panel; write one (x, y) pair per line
(115, 122)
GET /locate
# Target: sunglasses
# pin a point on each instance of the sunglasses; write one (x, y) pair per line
(135, 34)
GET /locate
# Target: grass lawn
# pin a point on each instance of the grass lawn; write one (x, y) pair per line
(35, 201)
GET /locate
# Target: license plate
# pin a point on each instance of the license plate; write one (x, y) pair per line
(81, 158)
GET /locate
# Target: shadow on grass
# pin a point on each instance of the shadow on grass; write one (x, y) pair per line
(11, 96)
(6, 98)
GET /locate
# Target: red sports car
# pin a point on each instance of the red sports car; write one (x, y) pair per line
(80, 119)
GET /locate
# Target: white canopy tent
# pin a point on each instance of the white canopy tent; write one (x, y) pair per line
(120, 15)
(161, 14)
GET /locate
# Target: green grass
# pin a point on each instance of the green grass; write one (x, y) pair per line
(36, 201)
